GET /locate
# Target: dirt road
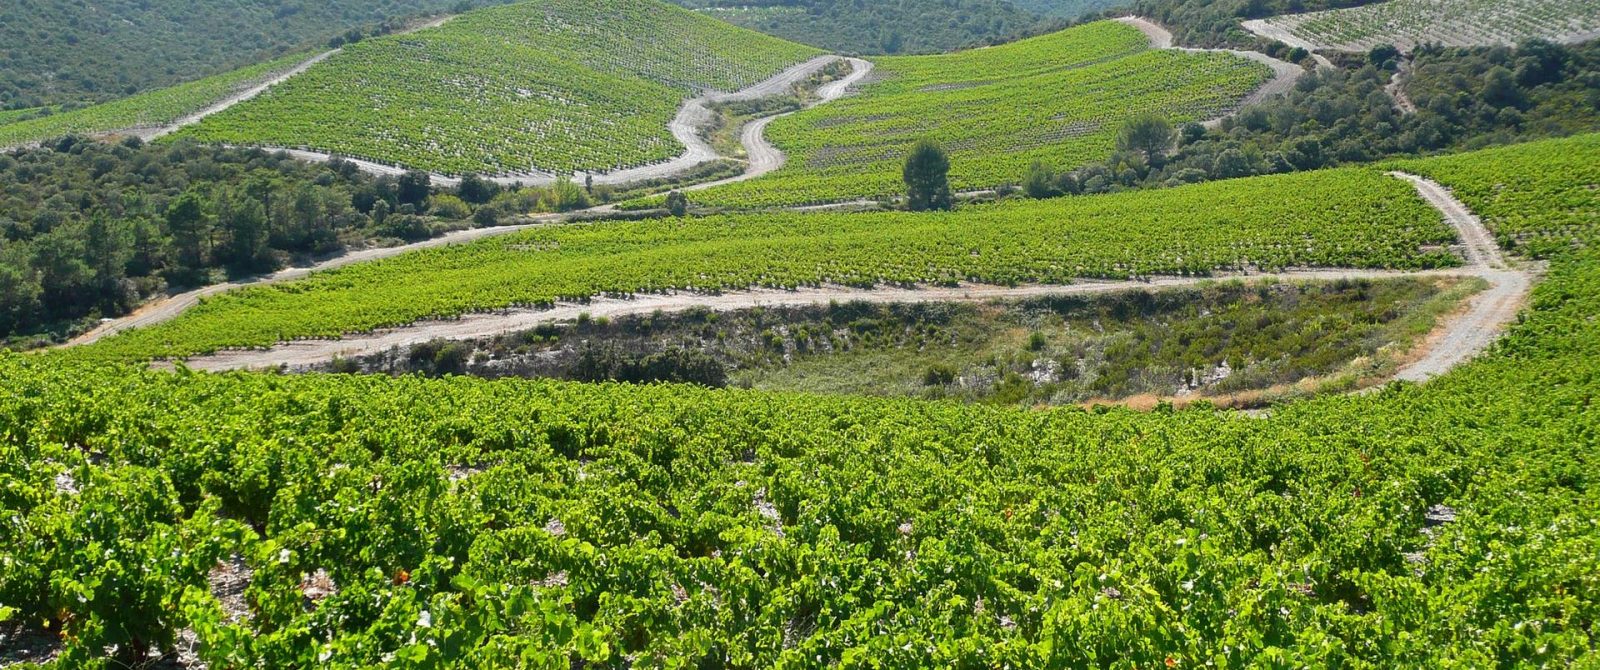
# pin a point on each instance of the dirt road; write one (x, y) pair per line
(1284, 74)
(1452, 343)
(304, 353)
(686, 127)
(764, 158)
(1396, 88)
(1490, 311)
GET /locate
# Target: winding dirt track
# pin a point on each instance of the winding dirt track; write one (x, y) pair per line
(692, 118)
(1284, 74)
(1396, 88)
(1490, 311)
(764, 158)
(1452, 343)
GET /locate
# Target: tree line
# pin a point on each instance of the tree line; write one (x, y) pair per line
(90, 229)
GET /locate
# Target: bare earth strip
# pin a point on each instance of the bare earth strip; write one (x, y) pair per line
(1284, 74)
(1396, 88)
(305, 353)
(686, 127)
(171, 306)
(1452, 343)
(763, 157)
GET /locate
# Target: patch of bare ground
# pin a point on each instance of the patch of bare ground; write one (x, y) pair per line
(1396, 88)
(26, 644)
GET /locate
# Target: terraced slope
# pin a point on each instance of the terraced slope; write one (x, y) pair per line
(148, 111)
(1058, 98)
(1343, 219)
(1408, 23)
(541, 86)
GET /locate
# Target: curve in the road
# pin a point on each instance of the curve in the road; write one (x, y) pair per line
(764, 158)
(1460, 339)
(687, 127)
(1284, 74)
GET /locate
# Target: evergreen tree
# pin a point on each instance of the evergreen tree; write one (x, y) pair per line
(927, 177)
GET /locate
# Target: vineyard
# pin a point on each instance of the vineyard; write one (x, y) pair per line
(1345, 218)
(354, 521)
(146, 110)
(545, 86)
(1409, 23)
(14, 115)
(1059, 98)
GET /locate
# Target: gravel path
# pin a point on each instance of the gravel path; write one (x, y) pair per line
(305, 353)
(1396, 88)
(1284, 74)
(686, 127)
(165, 309)
(764, 158)
(1490, 311)
(1452, 343)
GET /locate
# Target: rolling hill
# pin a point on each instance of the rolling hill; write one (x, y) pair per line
(541, 86)
(1059, 98)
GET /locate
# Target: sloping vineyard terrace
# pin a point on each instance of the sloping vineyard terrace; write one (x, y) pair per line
(147, 112)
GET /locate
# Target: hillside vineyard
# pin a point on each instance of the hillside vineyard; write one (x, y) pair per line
(630, 334)
(1409, 23)
(550, 86)
(1352, 218)
(511, 523)
(1056, 98)
(147, 111)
